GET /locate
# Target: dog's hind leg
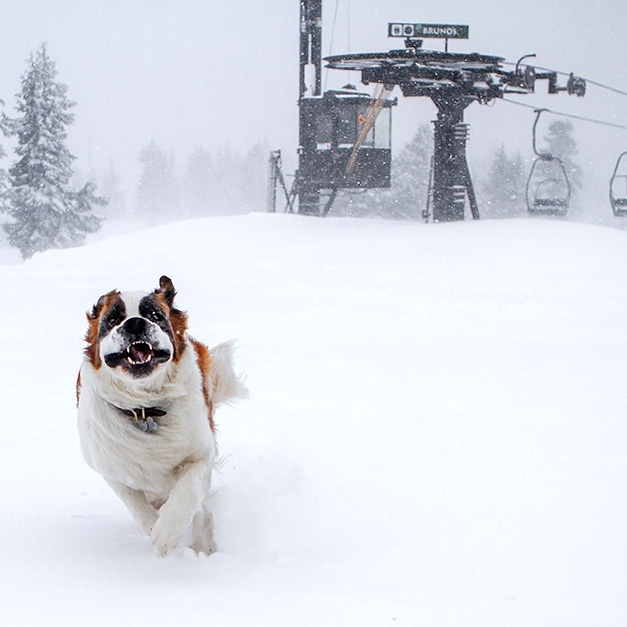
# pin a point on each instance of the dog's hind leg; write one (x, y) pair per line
(202, 529)
(137, 504)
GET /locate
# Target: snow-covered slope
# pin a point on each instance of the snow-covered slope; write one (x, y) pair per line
(436, 435)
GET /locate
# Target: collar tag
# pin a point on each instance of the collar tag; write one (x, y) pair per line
(143, 417)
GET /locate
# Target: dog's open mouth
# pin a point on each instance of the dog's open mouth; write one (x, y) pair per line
(139, 353)
(138, 358)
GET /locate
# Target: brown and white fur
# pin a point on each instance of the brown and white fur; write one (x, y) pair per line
(146, 396)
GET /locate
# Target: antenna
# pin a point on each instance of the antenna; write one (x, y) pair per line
(310, 45)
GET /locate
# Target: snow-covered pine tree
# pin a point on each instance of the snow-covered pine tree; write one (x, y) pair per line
(158, 190)
(3, 172)
(47, 212)
(253, 179)
(407, 197)
(503, 191)
(561, 143)
(410, 176)
(110, 186)
(198, 183)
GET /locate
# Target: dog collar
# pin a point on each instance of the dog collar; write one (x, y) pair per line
(143, 417)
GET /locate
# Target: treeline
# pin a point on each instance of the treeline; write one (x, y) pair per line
(43, 208)
(502, 191)
(224, 182)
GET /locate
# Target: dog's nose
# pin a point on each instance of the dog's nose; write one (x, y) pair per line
(135, 326)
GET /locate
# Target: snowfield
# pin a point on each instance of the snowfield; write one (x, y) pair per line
(436, 433)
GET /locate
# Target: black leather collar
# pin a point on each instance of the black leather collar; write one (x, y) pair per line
(143, 417)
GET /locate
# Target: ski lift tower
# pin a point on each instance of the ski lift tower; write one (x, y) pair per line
(453, 81)
(344, 135)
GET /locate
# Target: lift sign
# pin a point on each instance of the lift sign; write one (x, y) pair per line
(439, 31)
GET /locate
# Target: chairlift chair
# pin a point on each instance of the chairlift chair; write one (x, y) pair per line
(548, 187)
(618, 188)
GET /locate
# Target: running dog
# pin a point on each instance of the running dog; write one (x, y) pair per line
(147, 393)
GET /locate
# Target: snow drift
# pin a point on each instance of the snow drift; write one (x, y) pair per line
(436, 432)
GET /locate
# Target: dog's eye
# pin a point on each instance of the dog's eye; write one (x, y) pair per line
(154, 316)
(115, 316)
(151, 311)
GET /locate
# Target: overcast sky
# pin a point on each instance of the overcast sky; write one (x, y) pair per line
(204, 72)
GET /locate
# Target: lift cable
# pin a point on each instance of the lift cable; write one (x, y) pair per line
(568, 115)
(617, 91)
(588, 80)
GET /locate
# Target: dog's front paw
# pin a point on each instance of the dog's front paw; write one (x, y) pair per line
(166, 537)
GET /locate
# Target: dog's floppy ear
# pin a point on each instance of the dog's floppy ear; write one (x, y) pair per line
(166, 287)
(97, 308)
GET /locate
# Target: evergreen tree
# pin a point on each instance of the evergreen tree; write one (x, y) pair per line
(110, 185)
(227, 183)
(46, 211)
(4, 177)
(158, 192)
(503, 191)
(560, 143)
(198, 183)
(253, 178)
(411, 171)
(407, 196)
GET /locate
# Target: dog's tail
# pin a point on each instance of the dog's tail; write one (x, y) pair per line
(227, 385)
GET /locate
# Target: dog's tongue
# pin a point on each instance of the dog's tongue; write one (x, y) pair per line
(140, 353)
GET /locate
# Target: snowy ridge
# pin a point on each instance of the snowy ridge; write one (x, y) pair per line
(435, 434)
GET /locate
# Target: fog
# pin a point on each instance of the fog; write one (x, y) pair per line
(196, 73)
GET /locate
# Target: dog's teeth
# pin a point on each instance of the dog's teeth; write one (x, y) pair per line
(144, 351)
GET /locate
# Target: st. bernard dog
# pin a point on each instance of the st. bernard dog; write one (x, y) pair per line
(146, 397)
